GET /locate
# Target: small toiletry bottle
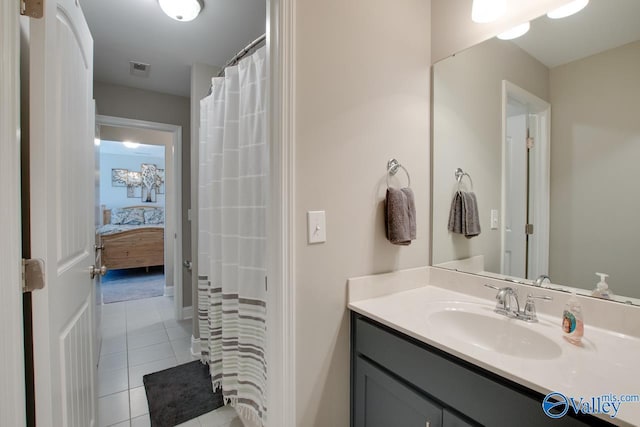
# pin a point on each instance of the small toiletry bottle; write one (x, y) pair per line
(572, 320)
(602, 288)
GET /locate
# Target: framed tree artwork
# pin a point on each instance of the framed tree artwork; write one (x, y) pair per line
(119, 177)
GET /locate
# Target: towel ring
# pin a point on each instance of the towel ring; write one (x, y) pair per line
(392, 168)
(459, 174)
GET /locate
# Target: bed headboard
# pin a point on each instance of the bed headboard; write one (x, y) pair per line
(106, 216)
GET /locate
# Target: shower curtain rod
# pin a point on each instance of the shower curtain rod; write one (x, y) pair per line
(243, 53)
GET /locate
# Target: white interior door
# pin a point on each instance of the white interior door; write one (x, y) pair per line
(62, 218)
(514, 255)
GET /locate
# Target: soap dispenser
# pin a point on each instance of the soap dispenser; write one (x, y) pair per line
(573, 320)
(602, 288)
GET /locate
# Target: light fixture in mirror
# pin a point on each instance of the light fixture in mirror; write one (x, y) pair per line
(485, 11)
(181, 10)
(547, 126)
(568, 9)
(131, 145)
(515, 32)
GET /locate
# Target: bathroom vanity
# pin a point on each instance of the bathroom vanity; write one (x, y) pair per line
(398, 381)
(423, 354)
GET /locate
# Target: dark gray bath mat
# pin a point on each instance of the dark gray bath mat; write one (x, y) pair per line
(179, 394)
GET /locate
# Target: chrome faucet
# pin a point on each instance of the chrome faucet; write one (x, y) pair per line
(540, 280)
(507, 295)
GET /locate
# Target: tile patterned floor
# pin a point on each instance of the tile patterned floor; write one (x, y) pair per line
(140, 337)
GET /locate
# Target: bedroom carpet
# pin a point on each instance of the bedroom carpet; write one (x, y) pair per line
(132, 283)
(180, 394)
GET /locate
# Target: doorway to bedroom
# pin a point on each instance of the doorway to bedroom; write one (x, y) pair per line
(138, 183)
(132, 204)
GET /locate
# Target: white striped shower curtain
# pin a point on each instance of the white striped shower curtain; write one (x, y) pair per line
(233, 183)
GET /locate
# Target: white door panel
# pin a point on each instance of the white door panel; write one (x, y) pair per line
(62, 199)
(514, 256)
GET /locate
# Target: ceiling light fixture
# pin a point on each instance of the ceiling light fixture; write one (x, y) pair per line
(484, 11)
(515, 32)
(181, 10)
(568, 9)
(132, 145)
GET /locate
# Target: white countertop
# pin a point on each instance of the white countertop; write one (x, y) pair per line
(608, 362)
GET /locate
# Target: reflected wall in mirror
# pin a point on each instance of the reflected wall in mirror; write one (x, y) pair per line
(548, 128)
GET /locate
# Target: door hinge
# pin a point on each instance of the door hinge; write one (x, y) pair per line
(32, 8)
(266, 284)
(530, 143)
(32, 275)
(528, 229)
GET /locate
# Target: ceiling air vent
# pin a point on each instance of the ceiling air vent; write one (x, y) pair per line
(139, 69)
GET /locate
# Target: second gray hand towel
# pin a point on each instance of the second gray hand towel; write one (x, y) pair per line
(471, 216)
(400, 216)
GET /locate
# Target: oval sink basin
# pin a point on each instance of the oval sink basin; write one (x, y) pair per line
(495, 333)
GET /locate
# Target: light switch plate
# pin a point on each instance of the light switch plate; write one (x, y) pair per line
(494, 219)
(316, 227)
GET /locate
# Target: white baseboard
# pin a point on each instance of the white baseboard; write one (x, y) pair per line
(168, 291)
(187, 312)
(195, 346)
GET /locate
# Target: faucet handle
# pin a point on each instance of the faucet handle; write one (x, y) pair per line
(529, 313)
(503, 305)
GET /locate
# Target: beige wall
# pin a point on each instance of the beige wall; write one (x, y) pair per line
(453, 30)
(201, 75)
(595, 149)
(130, 103)
(362, 97)
(467, 133)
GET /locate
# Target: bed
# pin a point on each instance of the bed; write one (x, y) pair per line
(132, 237)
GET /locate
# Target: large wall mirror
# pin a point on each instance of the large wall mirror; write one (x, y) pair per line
(544, 129)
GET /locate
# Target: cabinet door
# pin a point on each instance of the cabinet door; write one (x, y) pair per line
(382, 401)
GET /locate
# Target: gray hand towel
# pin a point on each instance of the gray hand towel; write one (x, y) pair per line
(463, 215)
(455, 214)
(471, 217)
(400, 216)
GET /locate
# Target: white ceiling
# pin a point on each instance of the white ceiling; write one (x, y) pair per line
(143, 150)
(137, 30)
(602, 25)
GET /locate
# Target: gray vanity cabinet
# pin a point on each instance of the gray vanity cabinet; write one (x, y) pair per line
(397, 381)
(383, 401)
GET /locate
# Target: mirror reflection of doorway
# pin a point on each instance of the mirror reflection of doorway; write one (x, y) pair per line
(525, 183)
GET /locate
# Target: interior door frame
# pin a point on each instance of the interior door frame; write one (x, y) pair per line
(281, 329)
(12, 370)
(541, 188)
(176, 131)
